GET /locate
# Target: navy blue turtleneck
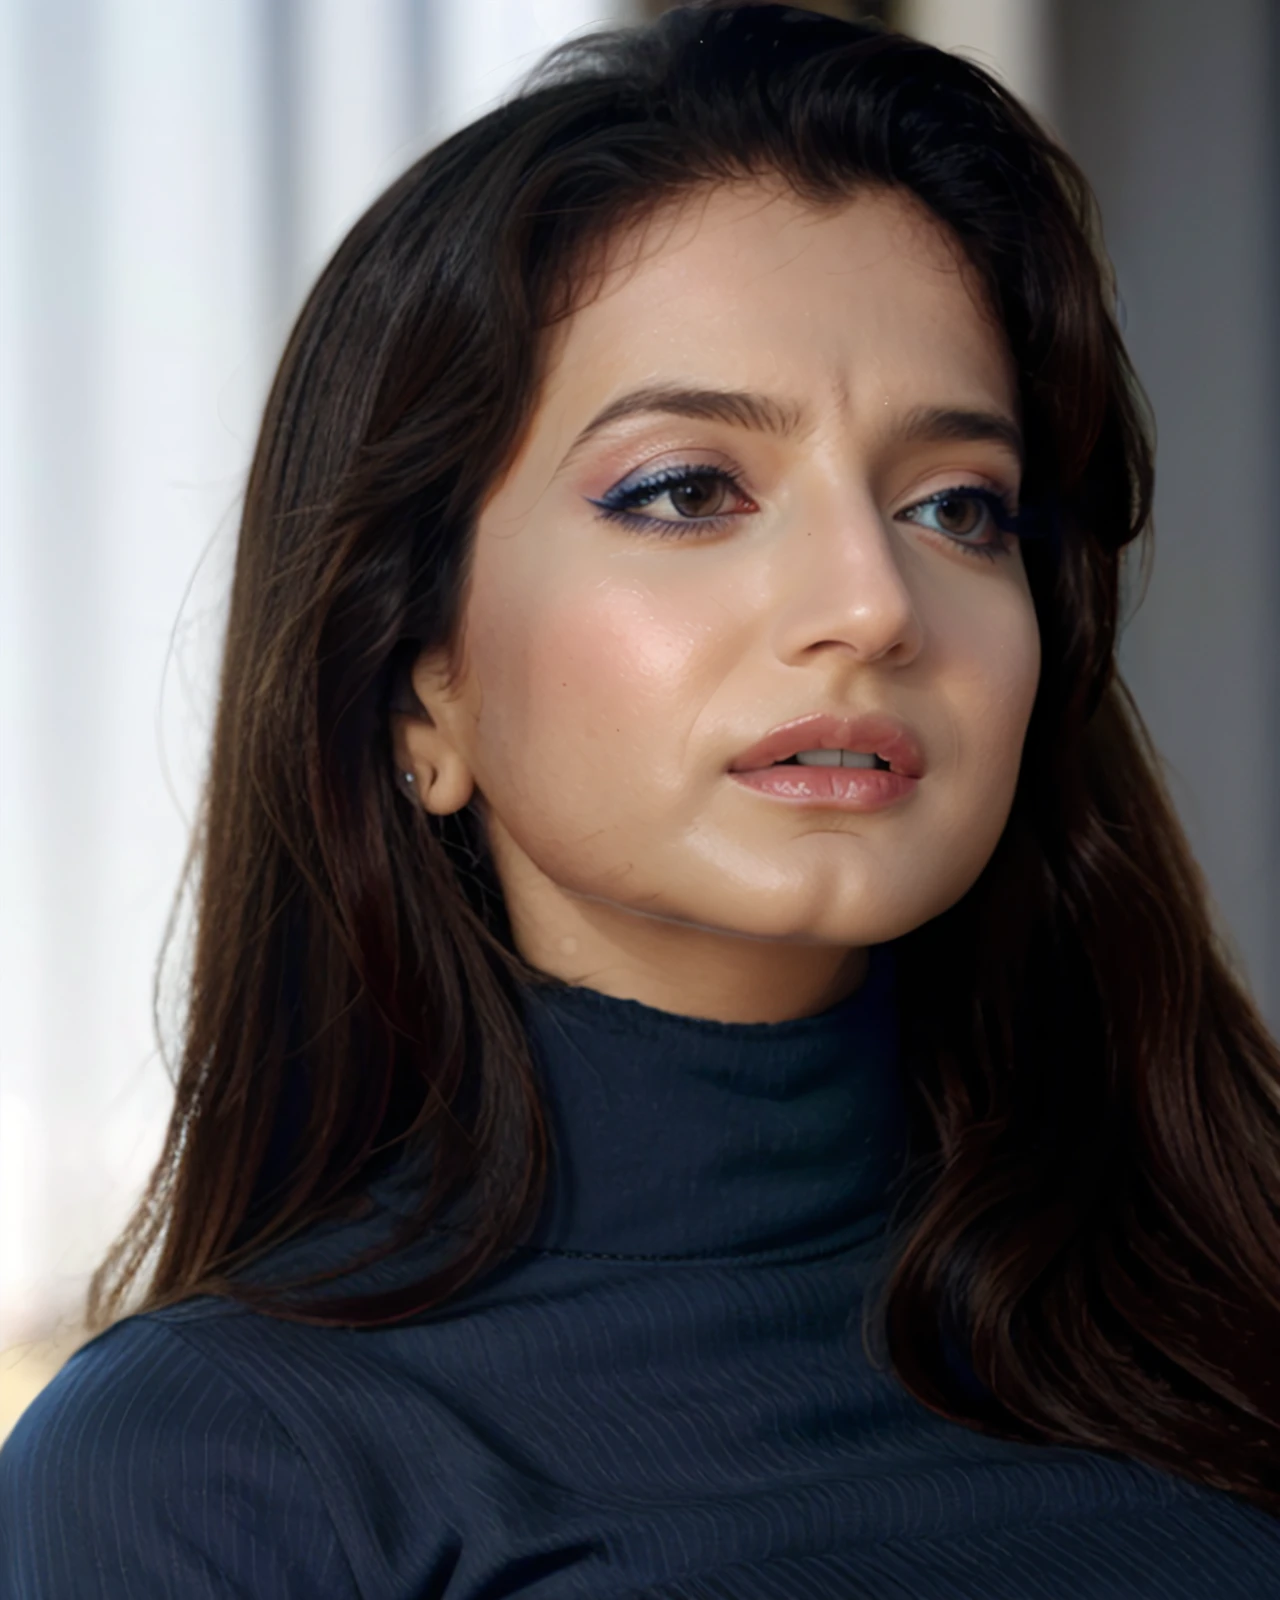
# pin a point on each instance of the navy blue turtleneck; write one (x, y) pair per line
(665, 1393)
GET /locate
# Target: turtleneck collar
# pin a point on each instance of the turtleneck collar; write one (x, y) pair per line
(675, 1136)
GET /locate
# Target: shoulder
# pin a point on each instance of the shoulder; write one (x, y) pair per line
(144, 1469)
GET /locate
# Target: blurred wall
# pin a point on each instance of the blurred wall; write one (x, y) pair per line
(1171, 108)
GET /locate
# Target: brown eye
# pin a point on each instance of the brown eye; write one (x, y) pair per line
(701, 497)
(698, 496)
(960, 514)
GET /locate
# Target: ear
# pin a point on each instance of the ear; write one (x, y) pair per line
(430, 730)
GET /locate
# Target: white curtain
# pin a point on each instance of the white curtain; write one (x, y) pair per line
(173, 174)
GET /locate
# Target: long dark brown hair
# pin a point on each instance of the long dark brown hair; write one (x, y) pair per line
(1094, 1099)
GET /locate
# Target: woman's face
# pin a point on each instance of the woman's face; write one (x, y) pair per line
(614, 670)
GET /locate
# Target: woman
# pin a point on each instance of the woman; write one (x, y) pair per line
(570, 1073)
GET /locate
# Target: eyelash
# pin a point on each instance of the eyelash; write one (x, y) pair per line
(613, 508)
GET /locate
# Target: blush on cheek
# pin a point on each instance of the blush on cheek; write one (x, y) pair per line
(611, 663)
(557, 692)
(654, 641)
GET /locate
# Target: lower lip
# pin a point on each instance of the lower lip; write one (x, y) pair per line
(841, 788)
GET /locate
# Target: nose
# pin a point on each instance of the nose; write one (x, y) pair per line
(845, 580)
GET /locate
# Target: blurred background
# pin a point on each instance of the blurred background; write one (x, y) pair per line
(174, 174)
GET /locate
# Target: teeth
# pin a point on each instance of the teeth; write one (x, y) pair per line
(837, 758)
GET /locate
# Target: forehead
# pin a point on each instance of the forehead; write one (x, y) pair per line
(750, 275)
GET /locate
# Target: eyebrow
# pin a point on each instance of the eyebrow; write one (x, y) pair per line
(765, 413)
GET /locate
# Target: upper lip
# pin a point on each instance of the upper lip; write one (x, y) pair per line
(876, 732)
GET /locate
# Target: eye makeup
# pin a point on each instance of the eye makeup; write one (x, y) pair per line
(622, 505)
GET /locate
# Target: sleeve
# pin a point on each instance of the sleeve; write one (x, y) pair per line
(141, 1471)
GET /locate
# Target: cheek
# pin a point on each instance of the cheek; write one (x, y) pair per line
(606, 674)
(999, 691)
(985, 684)
(629, 658)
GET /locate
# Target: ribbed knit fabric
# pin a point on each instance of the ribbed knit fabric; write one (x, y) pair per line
(664, 1394)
